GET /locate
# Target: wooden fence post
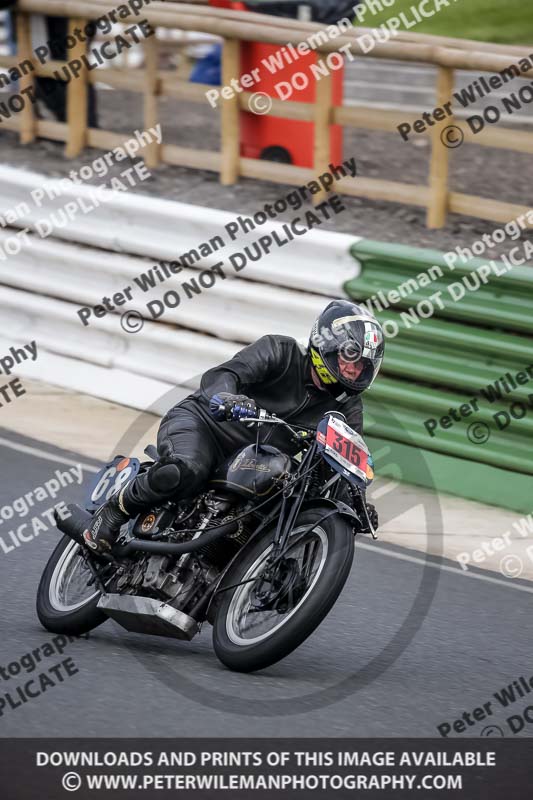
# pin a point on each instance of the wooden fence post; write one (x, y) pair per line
(24, 51)
(440, 153)
(229, 115)
(77, 96)
(323, 116)
(151, 91)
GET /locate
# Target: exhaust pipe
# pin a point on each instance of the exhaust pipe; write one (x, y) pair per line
(75, 525)
(79, 520)
(171, 548)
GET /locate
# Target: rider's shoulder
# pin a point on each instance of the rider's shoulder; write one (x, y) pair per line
(277, 340)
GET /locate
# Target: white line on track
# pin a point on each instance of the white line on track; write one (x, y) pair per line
(34, 451)
(444, 568)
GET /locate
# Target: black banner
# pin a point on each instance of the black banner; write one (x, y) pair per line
(256, 768)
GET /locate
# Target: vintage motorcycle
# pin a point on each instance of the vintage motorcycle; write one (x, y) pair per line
(261, 554)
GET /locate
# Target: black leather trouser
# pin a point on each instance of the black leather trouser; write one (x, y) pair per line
(186, 439)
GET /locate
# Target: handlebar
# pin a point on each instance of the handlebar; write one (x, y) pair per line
(300, 433)
(223, 411)
(246, 414)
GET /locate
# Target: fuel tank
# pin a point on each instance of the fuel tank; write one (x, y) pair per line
(252, 471)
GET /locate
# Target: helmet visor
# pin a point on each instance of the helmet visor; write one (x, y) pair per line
(349, 369)
(353, 353)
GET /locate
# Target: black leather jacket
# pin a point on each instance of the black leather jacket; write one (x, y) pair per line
(276, 372)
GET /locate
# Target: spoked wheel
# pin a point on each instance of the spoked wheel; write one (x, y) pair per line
(66, 600)
(276, 606)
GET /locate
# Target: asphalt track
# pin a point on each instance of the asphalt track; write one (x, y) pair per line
(378, 666)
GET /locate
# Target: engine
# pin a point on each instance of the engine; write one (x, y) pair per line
(182, 580)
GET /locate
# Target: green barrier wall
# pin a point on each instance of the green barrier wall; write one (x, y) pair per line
(447, 348)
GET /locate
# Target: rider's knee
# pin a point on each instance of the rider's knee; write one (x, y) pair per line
(164, 478)
(193, 476)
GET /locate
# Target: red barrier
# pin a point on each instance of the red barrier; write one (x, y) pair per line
(275, 138)
(227, 4)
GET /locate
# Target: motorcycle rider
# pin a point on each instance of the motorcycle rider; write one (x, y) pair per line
(299, 384)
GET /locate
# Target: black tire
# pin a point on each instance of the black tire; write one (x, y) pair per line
(71, 623)
(306, 617)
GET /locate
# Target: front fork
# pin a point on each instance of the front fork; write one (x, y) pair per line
(361, 498)
(291, 504)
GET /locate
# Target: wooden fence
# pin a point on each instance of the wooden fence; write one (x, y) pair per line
(447, 54)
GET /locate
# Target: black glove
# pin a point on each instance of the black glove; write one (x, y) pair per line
(225, 406)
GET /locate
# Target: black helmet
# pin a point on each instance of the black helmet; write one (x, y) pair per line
(346, 348)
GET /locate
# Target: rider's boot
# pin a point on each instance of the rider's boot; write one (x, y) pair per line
(148, 489)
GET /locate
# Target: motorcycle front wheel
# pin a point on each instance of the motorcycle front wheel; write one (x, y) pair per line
(67, 598)
(265, 613)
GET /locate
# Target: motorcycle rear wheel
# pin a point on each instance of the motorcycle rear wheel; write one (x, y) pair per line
(330, 546)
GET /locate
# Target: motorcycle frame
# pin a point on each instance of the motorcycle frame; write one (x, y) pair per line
(287, 515)
(287, 509)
